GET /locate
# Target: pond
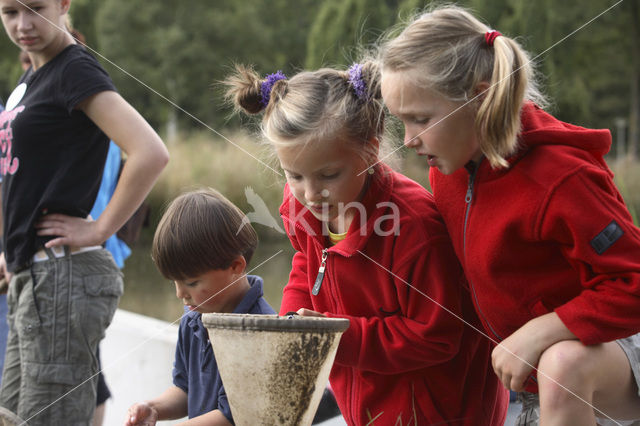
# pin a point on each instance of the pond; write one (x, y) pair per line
(147, 292)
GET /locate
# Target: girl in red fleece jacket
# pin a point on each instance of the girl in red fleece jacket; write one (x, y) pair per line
(371, 247)
(546, 242)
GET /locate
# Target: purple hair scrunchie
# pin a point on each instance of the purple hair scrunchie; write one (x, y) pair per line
(357, 82)
(267, 85)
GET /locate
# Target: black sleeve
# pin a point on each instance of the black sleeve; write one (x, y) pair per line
(83, 77)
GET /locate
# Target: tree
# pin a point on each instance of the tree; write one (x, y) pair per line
(182, 48)
(83, 18)
(634, 78)
(342, 25)
(585, 77)
(10, 70)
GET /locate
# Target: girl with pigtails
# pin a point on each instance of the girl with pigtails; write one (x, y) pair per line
(371, 247)
(549, 249)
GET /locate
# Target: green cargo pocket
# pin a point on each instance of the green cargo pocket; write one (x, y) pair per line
(102, 293)
(62, 374)
(103, 285)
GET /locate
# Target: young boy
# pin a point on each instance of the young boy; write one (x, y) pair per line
(203, 246)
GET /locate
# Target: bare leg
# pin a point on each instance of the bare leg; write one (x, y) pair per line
(591, 376)
(98, 415)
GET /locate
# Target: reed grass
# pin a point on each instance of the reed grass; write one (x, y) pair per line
(204, 159)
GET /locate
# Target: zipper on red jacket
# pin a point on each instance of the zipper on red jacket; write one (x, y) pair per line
(473, 170)
(320, 277)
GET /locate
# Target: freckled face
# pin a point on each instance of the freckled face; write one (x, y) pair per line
(214, 291)
(323, 176)
(435, 127)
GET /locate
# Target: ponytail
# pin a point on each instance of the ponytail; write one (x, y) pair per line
(498, 117)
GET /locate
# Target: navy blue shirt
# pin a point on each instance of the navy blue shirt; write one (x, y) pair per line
(195, 370)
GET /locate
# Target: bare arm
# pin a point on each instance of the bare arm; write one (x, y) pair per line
(4, 275)
(212, 418)
(146, 157)
(1, 217)
(171, 404)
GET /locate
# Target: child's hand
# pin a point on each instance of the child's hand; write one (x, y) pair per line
(5, 276)
(141, 414)
(309, 313)
(527, 343)
(508, 358)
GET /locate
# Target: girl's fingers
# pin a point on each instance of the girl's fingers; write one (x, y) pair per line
(56, 242)
(50, 231)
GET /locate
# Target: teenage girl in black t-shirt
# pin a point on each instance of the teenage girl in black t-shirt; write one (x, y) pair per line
(54, 139)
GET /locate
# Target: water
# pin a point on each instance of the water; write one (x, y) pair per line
(147, 292)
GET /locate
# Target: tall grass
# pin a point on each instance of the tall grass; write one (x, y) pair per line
(204, 159)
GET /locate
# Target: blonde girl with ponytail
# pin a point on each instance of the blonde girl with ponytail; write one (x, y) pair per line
(547, 244)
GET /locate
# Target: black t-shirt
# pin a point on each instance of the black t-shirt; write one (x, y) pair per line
(52, 154)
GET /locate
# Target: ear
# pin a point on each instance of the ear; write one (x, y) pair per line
(375, 143)
(480, 90)
(238, 265)
(374, 150)
(64, 6)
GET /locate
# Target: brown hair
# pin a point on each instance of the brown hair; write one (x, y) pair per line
(77, 35)
(314, 106)
(201, 231)
(446, 51)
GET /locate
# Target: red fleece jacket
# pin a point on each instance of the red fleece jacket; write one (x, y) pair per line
(404, 359)
(549, 233)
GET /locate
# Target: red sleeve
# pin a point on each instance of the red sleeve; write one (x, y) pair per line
(296, 293)
(423, 334)
(586, 214)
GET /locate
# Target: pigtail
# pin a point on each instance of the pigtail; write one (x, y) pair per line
(277, 91)
(374, 108)
(244, 90)
(371, 75)
(498, 117)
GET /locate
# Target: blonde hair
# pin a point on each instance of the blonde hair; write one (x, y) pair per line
(447, 49)
(314, 106)
(201, 231)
